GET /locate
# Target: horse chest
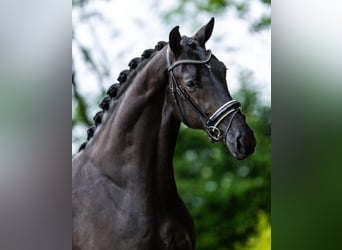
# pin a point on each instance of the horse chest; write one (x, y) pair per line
(107, 218)
(175, 236)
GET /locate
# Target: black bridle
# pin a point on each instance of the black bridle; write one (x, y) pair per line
(231, 107)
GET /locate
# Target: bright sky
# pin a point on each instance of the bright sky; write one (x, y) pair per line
(130, 27)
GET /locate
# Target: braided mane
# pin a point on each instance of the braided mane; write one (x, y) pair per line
(116, 90)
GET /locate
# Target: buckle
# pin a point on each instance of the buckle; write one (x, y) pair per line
(214, 133)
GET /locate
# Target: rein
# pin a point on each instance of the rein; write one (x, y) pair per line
(212, 122)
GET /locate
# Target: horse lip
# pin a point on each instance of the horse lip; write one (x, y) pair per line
(241, 156)
(238, 156)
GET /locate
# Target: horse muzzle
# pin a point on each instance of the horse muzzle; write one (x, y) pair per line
(241, 143)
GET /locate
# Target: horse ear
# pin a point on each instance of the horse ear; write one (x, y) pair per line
(174, 40)
(204, 33)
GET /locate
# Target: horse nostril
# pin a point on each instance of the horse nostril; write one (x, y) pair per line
(240, 144)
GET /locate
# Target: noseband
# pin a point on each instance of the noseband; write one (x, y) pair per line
(211, 123)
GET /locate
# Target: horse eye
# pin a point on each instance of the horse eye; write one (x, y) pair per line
(191, 85)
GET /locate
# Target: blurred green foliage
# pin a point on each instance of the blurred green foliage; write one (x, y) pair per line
(228, 199)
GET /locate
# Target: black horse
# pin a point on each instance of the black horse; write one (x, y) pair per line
(124, 194)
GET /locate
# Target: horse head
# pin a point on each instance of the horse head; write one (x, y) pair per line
(199, 93)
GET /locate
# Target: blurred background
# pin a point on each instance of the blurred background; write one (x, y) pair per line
(228, 199)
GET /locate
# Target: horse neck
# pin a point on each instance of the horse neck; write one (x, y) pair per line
(140, 131)
(167, 143)
(129, 133)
